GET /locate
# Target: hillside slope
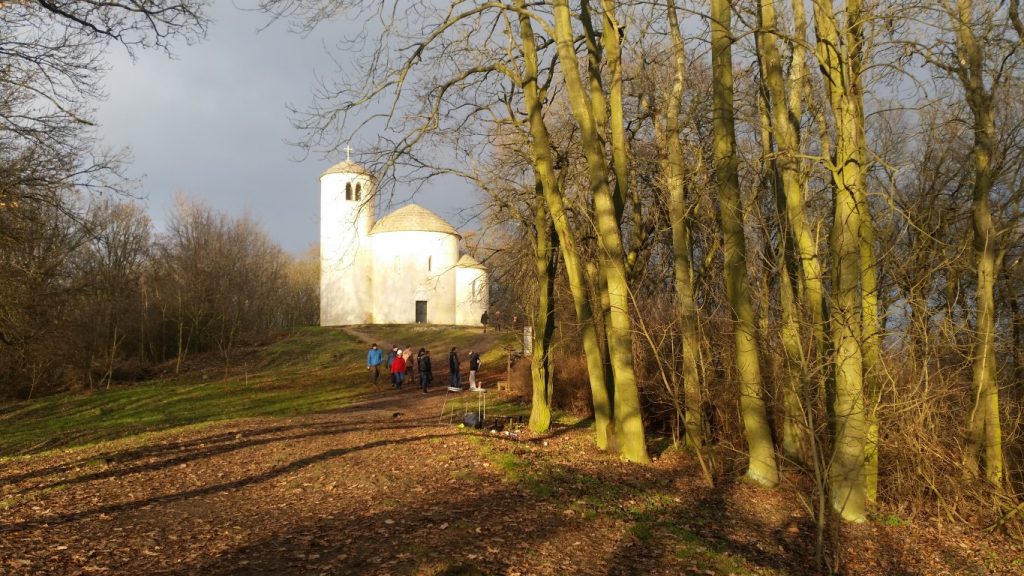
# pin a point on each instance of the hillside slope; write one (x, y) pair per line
(386, 482)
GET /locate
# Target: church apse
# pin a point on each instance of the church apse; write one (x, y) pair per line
(414, 266)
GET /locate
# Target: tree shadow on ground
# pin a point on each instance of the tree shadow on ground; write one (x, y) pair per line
(209, 489)
(507, 528)
(545, 515)
(191, 452)
(242, 434)
(517, 534)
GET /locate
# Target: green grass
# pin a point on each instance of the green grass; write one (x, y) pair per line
(717, 561)
(643, 531)
(311, 370)
(515, 469)
(894, 520)
(438, 339)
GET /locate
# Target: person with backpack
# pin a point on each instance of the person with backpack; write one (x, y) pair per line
(474, 365)
(426, 373)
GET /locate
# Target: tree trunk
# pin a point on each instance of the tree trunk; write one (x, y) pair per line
(610, 38)
(871, 324)
(871, 327)
(540, 146)
(762, 467)
(783, 115)
(545, 258)
(681, 240)
(846, 470)
(984, 427)
(629, 428)
(786, 110)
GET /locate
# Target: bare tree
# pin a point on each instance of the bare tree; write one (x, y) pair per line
(762, 467)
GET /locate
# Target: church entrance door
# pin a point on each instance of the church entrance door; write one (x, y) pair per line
(421, 311)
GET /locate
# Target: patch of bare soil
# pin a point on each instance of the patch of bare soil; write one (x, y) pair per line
(390, 486)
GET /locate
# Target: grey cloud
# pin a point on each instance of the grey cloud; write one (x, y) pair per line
(212, 123)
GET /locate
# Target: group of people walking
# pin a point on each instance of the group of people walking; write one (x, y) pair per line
(402, 367)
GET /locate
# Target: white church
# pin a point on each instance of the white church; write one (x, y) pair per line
(402, 269)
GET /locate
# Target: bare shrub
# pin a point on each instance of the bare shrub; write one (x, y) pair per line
(521, 382)
(572, 386)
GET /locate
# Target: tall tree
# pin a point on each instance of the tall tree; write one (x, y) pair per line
(545, 258)
(969, 67)
(541, 150)
(846, 471)
(785, 108)
(762, 468)
(629, 430)
(682, 251)
(871, 322)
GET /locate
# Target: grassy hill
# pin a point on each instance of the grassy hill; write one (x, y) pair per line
(261, 469)
(311, 370)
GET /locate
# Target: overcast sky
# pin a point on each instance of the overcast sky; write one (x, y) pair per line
(212, 124)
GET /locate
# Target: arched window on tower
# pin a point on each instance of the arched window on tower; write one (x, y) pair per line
(359, 192)
(430, 261)
(348, 191)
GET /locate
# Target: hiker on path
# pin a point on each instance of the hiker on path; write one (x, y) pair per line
(410, 363)
(391, 360)
(483, 320)
(398, 371)
(426, 373)
(453, 368)
(374, 358)
(474, 365)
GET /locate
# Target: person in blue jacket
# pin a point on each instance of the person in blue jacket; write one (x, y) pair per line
(374, 358)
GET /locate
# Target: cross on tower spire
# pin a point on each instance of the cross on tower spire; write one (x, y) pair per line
(348, 153)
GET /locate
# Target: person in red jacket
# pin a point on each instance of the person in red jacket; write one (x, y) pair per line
(398, 371)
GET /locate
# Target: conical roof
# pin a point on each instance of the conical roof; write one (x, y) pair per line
(468, 261)
(346, 167)
(413, 218)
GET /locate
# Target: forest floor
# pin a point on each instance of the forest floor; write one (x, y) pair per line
(387, 482)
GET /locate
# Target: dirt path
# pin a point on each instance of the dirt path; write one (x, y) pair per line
(387, 487)
(482, 341)
(377, 488)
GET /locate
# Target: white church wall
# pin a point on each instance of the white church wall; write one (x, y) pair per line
(411, 266)
(345, 288)
(472, 295)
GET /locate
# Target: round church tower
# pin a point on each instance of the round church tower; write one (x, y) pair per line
(346, 216)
